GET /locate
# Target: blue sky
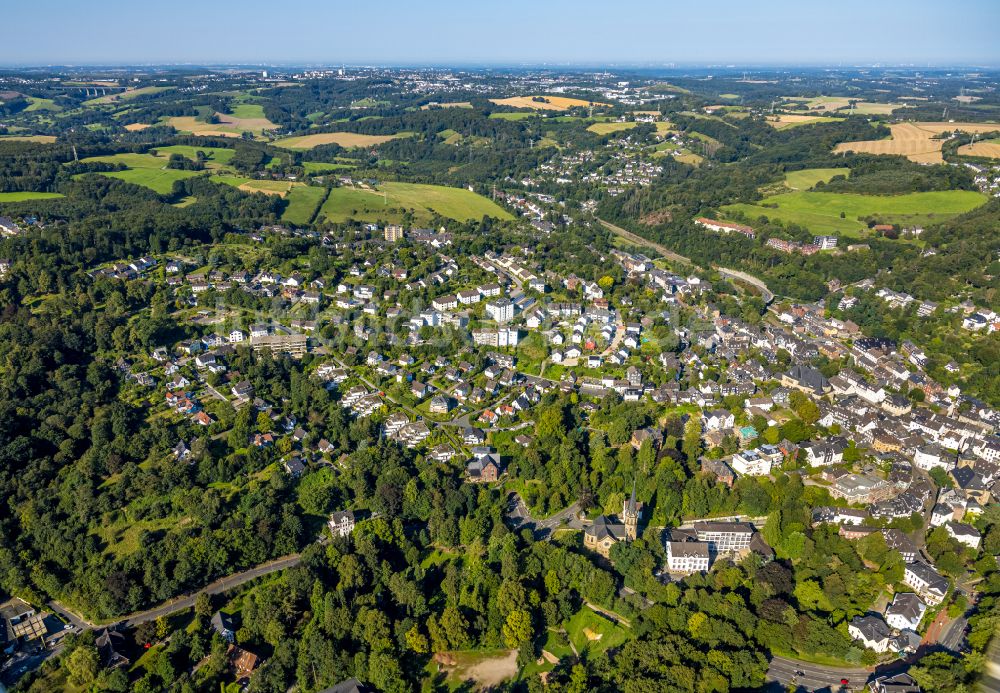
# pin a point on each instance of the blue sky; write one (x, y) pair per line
(502, 32)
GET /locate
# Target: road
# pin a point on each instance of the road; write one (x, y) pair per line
(639, 240)
(815, 677)
(520, 517)
(186, 601)
(675, 257)
(766, 293)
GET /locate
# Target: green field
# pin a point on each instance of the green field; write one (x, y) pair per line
(513, 116)
(125, 95)
(302, 202)
(423, 200)
(247, 110)
(215, 155)
(820, 212)
(807, 178)
(603, 633)
(39, 104)
(22, 196)
(608, 128)
(146, 170)
(318, 166)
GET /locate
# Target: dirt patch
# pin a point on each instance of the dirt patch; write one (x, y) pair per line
(134, 127)
(549, 657)
(591, 635)
(493, 672)
(660, 216)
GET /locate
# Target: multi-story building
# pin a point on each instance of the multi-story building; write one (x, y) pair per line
(725, 537)
(930, 585)
(393, 233)
(687, 557)
(500, 310)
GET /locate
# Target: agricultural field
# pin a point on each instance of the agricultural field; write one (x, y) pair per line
(551, 103)
(608, 128)
(808, 178)
(453, 104)
(390, 199)
(915, 141)
(136, 127)
(126, 95)
(40, 139)
(513, 116)
(986, 148)
(790, 120)
(23, 196)
(146, 170)
(302, 202)
(251, 185)
(830, 104)
(348, 140)
(821, 212)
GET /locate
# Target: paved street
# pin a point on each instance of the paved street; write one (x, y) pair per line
(816, 677)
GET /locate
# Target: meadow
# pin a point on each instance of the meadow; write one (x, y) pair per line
(821, 212)
(23, 196)
(788, 120)
(302, 203)
(126, 95)
(146, 170)
(809, 177)
(40, 139)
(424, 200)
(348, 140)
(608, 128)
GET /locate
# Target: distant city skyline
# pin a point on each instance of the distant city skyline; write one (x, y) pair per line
(517, 32)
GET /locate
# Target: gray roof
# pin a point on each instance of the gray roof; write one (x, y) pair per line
(872, 628)
(907, 605)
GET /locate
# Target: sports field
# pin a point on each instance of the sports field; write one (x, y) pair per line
(302, 202)
(986, 148)
(820, 212)
(914, 140)
(145, 169)
(789, 120)
(807, 178)
(348, 140)
(391, 199)
(22, 196)
(551, 103)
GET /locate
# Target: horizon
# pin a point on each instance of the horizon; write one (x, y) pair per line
(449, 33)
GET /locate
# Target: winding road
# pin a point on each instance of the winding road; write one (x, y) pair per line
(631, 237)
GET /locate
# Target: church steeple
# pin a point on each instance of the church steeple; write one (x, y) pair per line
(630, 515)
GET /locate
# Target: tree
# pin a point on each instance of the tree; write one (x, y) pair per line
(517, 629)
(81, 665)
(417, 641)
(203, 606)
(456, 628)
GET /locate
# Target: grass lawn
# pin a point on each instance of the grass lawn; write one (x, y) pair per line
(248, 110)
(807, 178)
(274, 187)
(368, 205)
(820, 212)
(347, 140)
(302, 203)
(22, 196)
(320, 167)
(588, 629)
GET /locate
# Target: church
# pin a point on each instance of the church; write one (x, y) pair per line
(608, 530)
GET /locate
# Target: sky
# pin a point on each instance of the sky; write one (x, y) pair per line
(502, 32)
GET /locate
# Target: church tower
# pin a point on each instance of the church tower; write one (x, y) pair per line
(630, 516)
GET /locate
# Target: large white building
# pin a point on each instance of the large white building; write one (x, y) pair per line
(724, 537)
(501, 310)
(750, 463)
(930, 585)
(687, 557)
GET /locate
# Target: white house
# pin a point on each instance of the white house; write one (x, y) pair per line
(871, 631)
(719, 419)
(930, 585)
(928, 457)
(750, 463)
(905, 612)
(236, 336)
(963, 533)
(341, 523)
